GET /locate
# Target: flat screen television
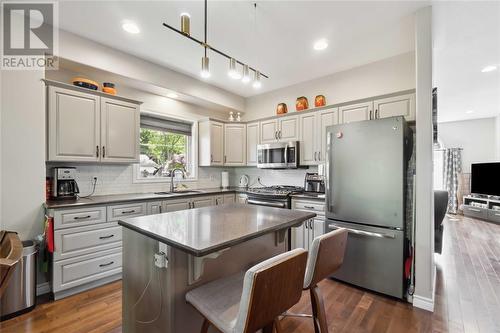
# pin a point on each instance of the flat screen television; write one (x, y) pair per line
(485, 178)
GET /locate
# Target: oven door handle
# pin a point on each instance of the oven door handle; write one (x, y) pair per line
(267, 203)
(362, 232)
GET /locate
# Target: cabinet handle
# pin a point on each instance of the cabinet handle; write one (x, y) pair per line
(108, 264)
(96, 151)
(192, 204)
(279, 134)
(319, 156)
(377, 116)
(106, 237)
(211, 158)
(315, 153)
(128, 211)
(82, 217)
(276, 135)
(309, 207)
(159, 209)
(371, 114)
(225, 158)
(103, 151)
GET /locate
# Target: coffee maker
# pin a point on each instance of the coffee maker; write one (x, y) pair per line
(314, 183)
(65, 186)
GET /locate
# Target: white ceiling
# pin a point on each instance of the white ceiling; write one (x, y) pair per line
(358, 33)
(466, 39)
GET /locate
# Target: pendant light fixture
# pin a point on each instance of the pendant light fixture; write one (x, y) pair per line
(205, 62)
(233, 70)
(246, 74)
(205, 67)
(256, 80)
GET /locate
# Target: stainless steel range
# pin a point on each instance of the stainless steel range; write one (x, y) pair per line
(273, 196)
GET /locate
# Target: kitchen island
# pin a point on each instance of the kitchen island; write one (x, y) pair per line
(200, 245)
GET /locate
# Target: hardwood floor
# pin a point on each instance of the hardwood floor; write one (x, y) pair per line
(467, 297)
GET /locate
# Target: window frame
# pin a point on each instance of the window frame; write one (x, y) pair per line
(192, 152)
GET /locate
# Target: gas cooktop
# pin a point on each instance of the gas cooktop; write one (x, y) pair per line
(277, 190)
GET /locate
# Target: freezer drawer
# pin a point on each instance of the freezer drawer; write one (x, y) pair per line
(374, 258)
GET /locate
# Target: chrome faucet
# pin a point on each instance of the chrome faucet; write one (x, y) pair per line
(172, 175)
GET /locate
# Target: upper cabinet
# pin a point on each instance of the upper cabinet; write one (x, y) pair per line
(222, 144)
(356, 112)
(120, 123)
(235, 144)
(401, 105)
(211, 143)
(86, 127)
(313, 135)
(252, 142)
(285, 128)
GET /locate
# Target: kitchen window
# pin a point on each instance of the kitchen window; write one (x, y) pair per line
(166, 144)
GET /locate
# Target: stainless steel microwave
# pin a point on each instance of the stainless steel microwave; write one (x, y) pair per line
(278, 155)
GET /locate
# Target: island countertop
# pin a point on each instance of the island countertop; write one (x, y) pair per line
(202, 231)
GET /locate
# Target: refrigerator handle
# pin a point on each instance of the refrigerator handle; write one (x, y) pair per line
(328, 188)
(362, 232)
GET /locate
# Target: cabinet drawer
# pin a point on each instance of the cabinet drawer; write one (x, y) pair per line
(311, 206)
(67, 218)
(494, 215)
(476, 212)
(77, 271)
(118, 212)
(83, 240)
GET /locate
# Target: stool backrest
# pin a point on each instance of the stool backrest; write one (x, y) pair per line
(326, 255)
(269, 289)
(11, 252)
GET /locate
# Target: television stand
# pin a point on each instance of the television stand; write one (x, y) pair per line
(485, 207)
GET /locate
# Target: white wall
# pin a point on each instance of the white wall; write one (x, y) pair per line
(84, 51)
(477, 137)
(22, 152)
(378, 78)
(424, 198)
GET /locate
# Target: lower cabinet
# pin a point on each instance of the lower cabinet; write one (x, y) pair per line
(78, 271)
(303, 236)
(88, 241)
(242, 198)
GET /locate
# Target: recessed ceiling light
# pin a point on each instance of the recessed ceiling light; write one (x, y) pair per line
(490, 68)
(320, 44)
(469, 111)
(172, 95)
(131, 27)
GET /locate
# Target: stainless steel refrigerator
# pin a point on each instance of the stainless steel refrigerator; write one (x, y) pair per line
(365, 193)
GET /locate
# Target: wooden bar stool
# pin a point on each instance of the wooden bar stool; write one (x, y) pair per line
(248, 302)
(11, 253)
(325, 257)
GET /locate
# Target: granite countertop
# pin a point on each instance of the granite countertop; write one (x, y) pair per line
(202, 231)
(117, 198)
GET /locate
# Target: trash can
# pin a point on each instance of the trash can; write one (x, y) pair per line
(20, 295)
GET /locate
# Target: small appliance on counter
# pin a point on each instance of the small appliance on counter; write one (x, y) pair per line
(65, 186)
(244, 180)
(314, 183)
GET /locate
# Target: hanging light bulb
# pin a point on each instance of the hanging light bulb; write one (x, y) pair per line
(205, 68)
(256, 80)
(185, 24)
(246, 74)
(233, 70)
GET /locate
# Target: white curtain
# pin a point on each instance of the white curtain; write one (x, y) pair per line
(452, 169)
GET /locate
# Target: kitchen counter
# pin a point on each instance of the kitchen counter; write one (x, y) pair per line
(200, 245)
(118, 198)
(210, 229)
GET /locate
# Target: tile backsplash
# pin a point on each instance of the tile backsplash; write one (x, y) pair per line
(119, 179)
